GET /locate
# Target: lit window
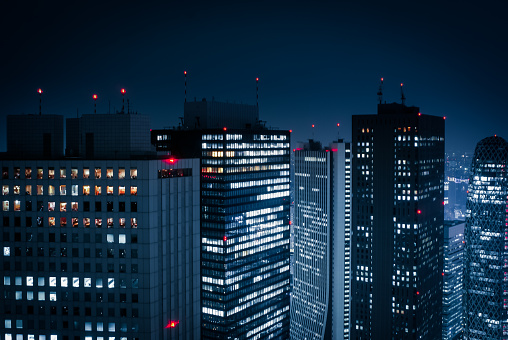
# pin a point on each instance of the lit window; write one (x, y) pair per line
(19, 295)
(134, 173)
(40, 282)
(74, 173)
(42, 296)
(63, 190)
(19, 324)
(121, 173)
(40, 190)
(40, 173)
(122, 222)
(98, 173)
(30, 281)
(88, 327)
(111, 282)
(17, 281)
(51, 221)
(134, 190)
(100, 327)
(121, 190)
(111, 327)
(87, 282)
(5, 190)
(51, 190)
(30, 296)
(98, 222)
(7, 280)
(17, 205)
(110, 238)
(63, 282)
(63, 206)
(51, 173)
(74, 222)
(28, 189)
(28, 173)
(86, 222)
(98, 283)
(75, 281)
(74, 206)
(63, 173)
(109, 173)
(5, 205)
(7, 251)
(121, 238)
(52, 296)
(86, 190)
(51, 206)
(52, 281)
(109, 190)
(17, 190)
(110, 222)
(97, 190)
(63, 221)
(86, 173)
(74, 190)
(134, 222)
(8, 324)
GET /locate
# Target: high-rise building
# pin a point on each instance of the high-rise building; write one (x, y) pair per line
(397, 224)
(320, 292)
(485, 274)
(453, 276)
(244, 220)
(103, 247)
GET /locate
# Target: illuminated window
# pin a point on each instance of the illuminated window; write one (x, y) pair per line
(111, 282)
(111, 327)
(86, 173)
(7, 251)
(17, 190)
(63, 282)
(134, 190)
(122, 222)
(51, 173)
(28, 173)
(29, 297)
(17, 205)
(109, 190)
(86, 190)
(86, 222)
(40, 173)
(75, 281)
(74, 222)
(74, 173)
(51, 190)
(74, 206)
(51, 206)
(121, 238)
(87, 282)
(51, 221)
(74, 190)
(28, 189)
(63, 221)
(98, 283)
(63, 206)
(110, 222)
(98, 173)
(97, 190)
(40, 190)
(121, 190)
(110, 238)
(134, 222)
(98, 222)
(52, 296)
(121, 173)
(5, 205)
(134, 173)
(52, 281)
(5, 190)
(63, 173)
(42, 296)
(7, 281)
(40, 282)
(63, 190)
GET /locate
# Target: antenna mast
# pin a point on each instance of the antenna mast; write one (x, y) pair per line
(380, 92)
(257, 93)
(40, 101)
(402, 97)
(122, 91)
(185, 75)
(94, 103)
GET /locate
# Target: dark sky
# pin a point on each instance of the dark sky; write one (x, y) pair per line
(318, 62)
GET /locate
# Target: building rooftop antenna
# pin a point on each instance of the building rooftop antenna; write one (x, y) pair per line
(185, 76)
(40, 101)
(338, 131)
(402, 97)
(122, 91)
(380, 92)
(257, 93)
(94, 103)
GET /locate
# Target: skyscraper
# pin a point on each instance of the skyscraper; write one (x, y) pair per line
(397, 224)
(485, 274)
(453, 279)
(320, 292)
(244, 218)
(99, 247)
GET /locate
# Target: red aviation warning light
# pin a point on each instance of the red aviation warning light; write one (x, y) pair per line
(224, 128)
(419, 113)
(122, 91)
(338, 124)
(257, 79)
(39, 91)
(312, 125)
(172, 323)
(225, 238)
(94, 97)
(418, 211)
(290, 131)
(184, 72)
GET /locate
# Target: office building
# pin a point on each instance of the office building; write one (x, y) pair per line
(100, 248)
(244, 222)
(320, 292)
(397, 224)
(453, 276)
(485, 274)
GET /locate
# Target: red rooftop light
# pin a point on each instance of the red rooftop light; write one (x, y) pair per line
(312, 125)
(184, 72)
(338, 124)
(419, 211)
(225, 238)
(172, 324)
(419, 113)
(94, 96)
(444, 117)
(382, 79)
(257, 79)
(122, 91)
(224, 128)
(40, 91)
(290, 131)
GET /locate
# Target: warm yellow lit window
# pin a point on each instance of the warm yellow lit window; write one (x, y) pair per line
(63, 221)
(86, 173)
(51, 206)
(40, 173)
(86, 190)
(28, 189)
(110, 222)
(74, 206)
(51, 173)
(5, 190)
(98, 173)
(86, 222)
(63, 206)
(134, 222)
(121, 173)
(97, 190)
(134, 173)
(51, 221)
(17, 205)
(121, 221)
(134, 190)
(5, 205)
(98, 222)
(121, 190)
(51, 190)
(109, 173)
(63, 190)
(17, 173)
(74, 173)
(40, 190)
(17, 190)
(109, 190)
(63, 173)
(28, 173)
(74, 222)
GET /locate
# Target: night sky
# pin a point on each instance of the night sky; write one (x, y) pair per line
(318, 62)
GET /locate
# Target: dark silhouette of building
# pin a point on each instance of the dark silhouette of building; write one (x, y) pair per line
(397, 224)
(485, 274)
(244, 218)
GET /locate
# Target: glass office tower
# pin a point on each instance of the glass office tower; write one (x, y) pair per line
(486, 254)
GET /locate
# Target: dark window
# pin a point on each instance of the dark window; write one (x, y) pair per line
(98, 267)
(87, 252)
(98, 206)
(86, 238)
(51, 238)
(17, 237)
(28, 205)
(29, 222)
(52, 266)
(63, 237)
(134, 206)
(98, 238)
(111, 311)
(109, 206)
(17, 221)
(75, 238)
(87, 268)
(134, 268)
(121, 206)
(6, 221)
(86, 206)
(134, 238)
(5, 172)
(75, 267)
(122, 268)
(134, 253)
(111, 268)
